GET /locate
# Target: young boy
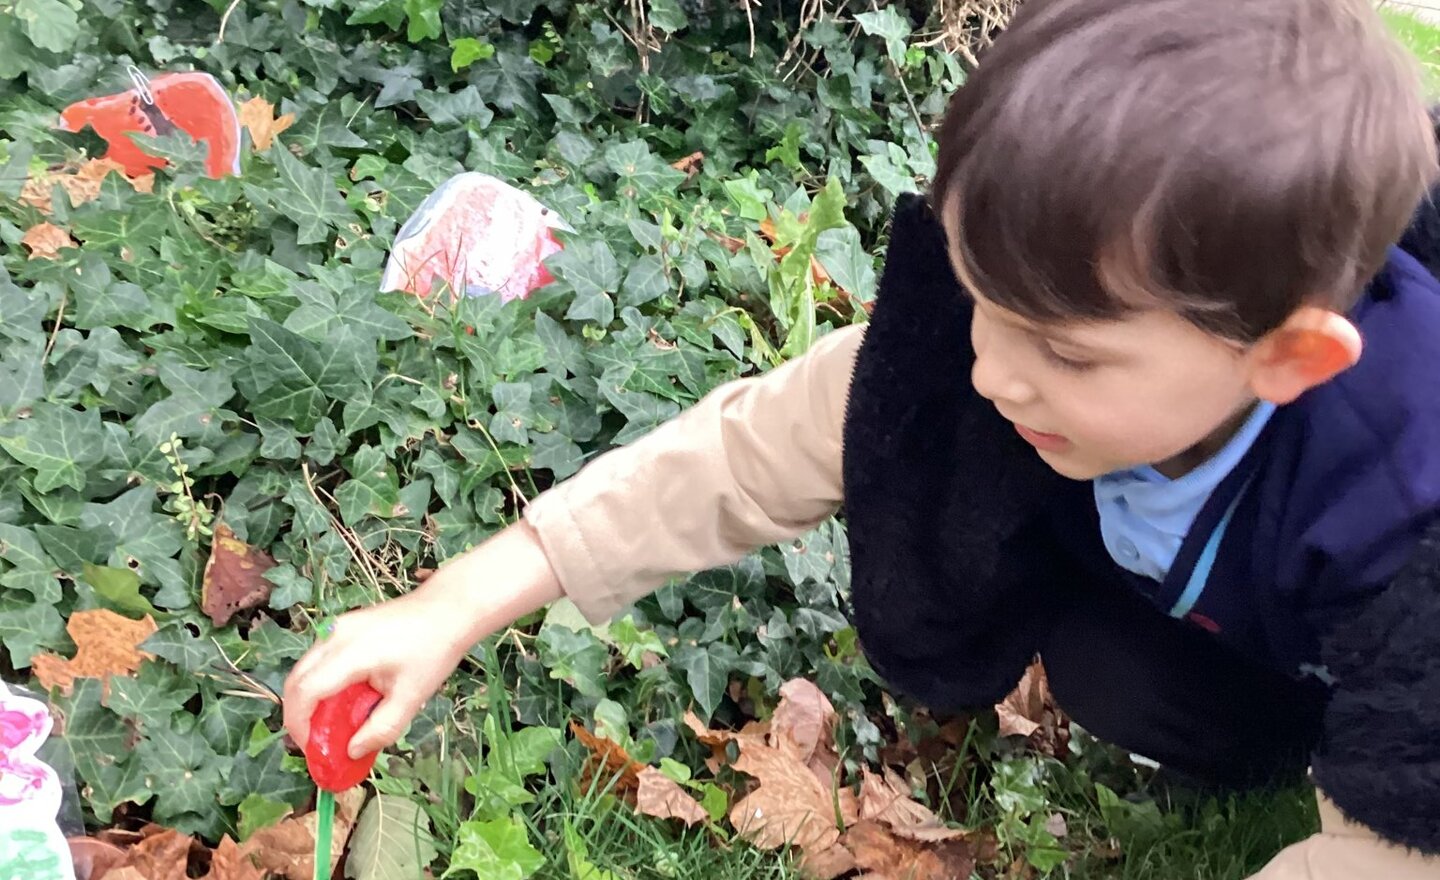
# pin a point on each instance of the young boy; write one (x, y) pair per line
(1175, 428)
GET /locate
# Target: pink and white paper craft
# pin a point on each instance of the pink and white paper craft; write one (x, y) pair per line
(31, 845)
(479, 236)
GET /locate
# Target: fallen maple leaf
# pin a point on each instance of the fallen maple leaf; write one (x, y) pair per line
(803, 720)
(754, 731)
(81, 183)
(106, 644)
(887, 799)
(234, 577)
(230, 862)
(662, 797)
(288, 847)
(163, 855)
(46, 240)
(608, 760)
(1030, 711)
(258, 115)
(886, 856)
(93, 857)
(828, 864)
(788, 807)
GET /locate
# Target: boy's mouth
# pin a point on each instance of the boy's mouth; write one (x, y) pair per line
(1042, 441)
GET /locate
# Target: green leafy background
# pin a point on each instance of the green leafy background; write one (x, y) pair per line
(358, 436)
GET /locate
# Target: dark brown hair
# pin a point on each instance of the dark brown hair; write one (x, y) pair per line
(1229, 159)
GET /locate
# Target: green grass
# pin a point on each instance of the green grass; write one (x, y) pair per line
(1151, 834)
(1422, 38)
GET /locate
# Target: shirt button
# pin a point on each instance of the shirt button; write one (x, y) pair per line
(1128, 551)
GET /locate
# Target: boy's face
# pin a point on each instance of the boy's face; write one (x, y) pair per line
(1093, 398)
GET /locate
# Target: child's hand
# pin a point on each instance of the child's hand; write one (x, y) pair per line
(407, 647)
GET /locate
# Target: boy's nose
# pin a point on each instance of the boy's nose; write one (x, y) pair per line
(994, 381)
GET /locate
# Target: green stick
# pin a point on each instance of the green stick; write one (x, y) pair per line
(325, 814)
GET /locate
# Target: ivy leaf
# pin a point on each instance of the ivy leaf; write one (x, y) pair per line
(373, 490)
(464, 107)
(50, 24)
(150, 697)
(466, 51)
(308, 196)
(61, 444)
(496, 850)
(266, 774)
(27, 626)
(258, 811)
(424, 20)
(228, 726)
(888, 24)
(513, 413)
(640, 170)
(574, 657)
(557, 453)
(17, 53)
(291, 587)
(707, 670)
(119, 590)
(94, 740)
(285, 375)
(843, 257)
(185, 772)
(890, 173)
(667, 16)
(176, 644)
(192, 407)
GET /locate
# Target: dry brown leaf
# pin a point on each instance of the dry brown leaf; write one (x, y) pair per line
(886, 856)
(817, 272)
(81, 183)
(230, 862)
(106, 644)
(690, 165)
(1030, 711)
(234, 577)
(288, 847)
(662, 797)
(788, 807)
(828, 864)
(258, 115)
(162, 856)
(92, 857)
(887, 800)
(46, 240)
(1022, 711)
(608, 760)
(752, 732)
(804, 719)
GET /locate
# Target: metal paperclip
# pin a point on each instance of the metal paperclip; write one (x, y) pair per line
(141, 83)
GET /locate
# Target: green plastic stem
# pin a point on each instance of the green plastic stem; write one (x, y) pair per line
(325, 814)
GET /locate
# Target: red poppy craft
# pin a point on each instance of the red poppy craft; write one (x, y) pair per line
(194, 103)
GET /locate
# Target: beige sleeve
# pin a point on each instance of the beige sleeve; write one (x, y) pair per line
(755, 462)
(1344, 850)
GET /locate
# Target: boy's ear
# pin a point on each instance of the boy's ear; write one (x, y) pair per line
(1310, 348)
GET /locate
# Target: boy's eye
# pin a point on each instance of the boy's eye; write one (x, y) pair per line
(1077, 365)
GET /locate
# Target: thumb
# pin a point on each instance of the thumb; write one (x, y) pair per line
(386, 724)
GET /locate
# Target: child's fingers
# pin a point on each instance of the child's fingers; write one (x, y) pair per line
(387, 723)
(307, 687)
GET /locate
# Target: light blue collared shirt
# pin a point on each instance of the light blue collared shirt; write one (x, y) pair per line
(1145, 515)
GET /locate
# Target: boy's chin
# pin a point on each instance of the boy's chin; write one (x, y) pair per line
(1072, 466)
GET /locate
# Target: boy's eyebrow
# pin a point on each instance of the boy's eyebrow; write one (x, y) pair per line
(1048, 332)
